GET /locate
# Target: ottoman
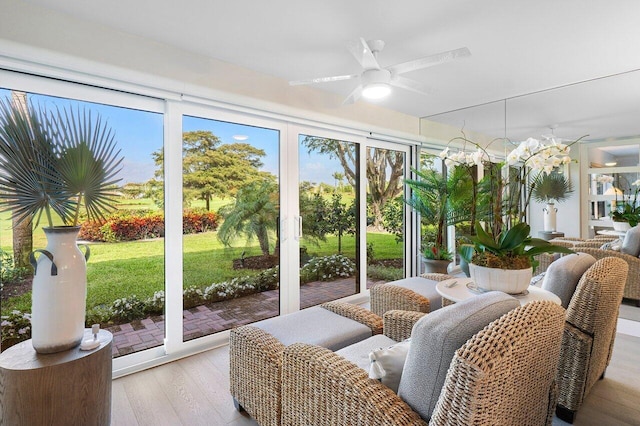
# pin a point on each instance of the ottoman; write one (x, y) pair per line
(255, 351)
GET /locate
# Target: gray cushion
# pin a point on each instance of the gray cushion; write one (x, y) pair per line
(631, 242)
(434, 340)
(424, 287)
(317, 326)
(562, 276)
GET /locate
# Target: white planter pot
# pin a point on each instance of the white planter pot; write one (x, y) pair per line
(550, 217)
(59, 294)
(512, 281)
(621, 226)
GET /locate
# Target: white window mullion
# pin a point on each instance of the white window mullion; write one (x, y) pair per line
(173, 226)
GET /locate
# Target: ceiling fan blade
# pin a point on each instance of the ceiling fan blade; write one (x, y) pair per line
(363, 54)
(412, 85)
(429, 61)
(323, 79)
(353, 96)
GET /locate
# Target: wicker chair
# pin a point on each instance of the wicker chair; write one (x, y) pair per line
(632, 285)
(256, 361)
(589, 333)
(503, 375)
(388, 296)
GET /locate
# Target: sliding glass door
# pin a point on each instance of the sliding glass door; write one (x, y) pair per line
(231, 209)
(328, 223)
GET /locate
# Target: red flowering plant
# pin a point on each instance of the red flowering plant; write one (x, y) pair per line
(434, 252)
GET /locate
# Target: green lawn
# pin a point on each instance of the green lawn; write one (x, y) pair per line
(117, 270)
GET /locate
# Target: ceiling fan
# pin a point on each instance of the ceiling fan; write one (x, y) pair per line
(375, 81)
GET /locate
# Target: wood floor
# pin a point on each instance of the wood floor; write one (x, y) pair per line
(195, 391)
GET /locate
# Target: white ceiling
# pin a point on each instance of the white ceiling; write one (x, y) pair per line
(517, 48)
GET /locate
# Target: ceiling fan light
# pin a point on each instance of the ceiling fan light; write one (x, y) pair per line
(376, 90)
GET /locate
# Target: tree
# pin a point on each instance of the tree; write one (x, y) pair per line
(338, 177)
(253, 214)
(212, 169)
(22, 230)
(385, 170)
(341, 219)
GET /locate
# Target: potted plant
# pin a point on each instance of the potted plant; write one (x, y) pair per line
(626, 214)
(505, 261)
(431, 198)
(550, 188)
(57, 163)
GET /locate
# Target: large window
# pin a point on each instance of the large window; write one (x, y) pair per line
(329, 219)
(223, 218)
(125, 272)
(231, 205)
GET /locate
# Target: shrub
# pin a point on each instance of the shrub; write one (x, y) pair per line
(327, 268)
(128, 308)
(9, 272)
(127, 225)
(197, 220)
(384, 274)
(16, 326)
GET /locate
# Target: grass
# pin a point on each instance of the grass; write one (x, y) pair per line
(117, 270)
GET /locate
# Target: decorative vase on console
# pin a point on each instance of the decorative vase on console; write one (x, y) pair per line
(57, 163)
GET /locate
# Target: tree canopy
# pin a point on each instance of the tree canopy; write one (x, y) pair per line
(385, 170)
(213, 169)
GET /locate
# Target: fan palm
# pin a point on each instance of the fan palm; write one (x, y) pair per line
(57, 160)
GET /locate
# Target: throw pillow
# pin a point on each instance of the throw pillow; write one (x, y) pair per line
(387, 364)
(563, 275)
(614, 245)
(631, 242)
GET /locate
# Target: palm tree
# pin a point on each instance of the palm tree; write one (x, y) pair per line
(253, 214)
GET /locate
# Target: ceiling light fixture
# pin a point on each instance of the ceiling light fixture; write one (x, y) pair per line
(375, 84)
(611, 164)
(376, 91)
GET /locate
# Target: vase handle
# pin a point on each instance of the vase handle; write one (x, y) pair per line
(34, 262)
(87, 252)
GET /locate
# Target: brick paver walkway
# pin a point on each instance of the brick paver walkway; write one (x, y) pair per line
(207, 319)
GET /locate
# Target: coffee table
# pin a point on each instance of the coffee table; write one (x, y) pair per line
(458, 289)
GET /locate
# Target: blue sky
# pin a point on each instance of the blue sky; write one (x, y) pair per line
(139, 133)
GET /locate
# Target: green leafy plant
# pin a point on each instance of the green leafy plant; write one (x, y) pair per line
(434, 252)
(64, 160)
(512, 249)
(628, 209)
(551, 187)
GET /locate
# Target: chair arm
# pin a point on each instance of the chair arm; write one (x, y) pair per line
(255, 359)
(575, 358)
(398, 324)
(356, 313)
(589, 244)
(544, 260)
(632, 286)
(322, 388)
(385, 297)
(435, 276)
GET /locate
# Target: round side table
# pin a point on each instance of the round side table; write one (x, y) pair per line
(457, 290)
(66, 388)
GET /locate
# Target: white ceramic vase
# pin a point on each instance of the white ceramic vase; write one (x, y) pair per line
(512, 281)
(59, 294)
(550, 217)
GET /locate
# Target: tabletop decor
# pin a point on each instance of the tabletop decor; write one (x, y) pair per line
(58, 163)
